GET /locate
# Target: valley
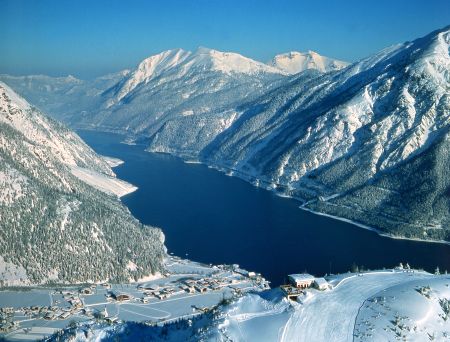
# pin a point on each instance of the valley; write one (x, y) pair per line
(209, 196)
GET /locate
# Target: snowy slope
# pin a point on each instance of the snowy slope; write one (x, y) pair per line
(63, 144)
(388, 305)
(158, 95)
(368, 142)
(294, 62)
(182, 62)
(54, 226)
(150, 68)
(358, 308)
(165, 93)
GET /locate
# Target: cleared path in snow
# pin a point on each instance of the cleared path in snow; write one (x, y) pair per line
(332, 314)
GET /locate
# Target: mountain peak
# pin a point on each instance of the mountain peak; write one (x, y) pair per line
(231, 62)
(294, 62)
(151, 67)
(182, 62)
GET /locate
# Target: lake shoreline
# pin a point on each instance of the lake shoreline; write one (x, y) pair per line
(248, 178)
(210, 207)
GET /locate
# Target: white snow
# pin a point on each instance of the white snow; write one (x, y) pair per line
(12, 185)
(187, 112)
(230, 62)
(11, 274)
(131, 266)
(345, 310)
(113, 162)
(103, 182)
(177, 63)
(151, 67)
(294, 62)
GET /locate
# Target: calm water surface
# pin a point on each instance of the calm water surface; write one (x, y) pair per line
(213, 218)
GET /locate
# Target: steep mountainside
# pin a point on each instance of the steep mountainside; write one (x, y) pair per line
(294, 62)
(164, 94)
(202, 90)
(55, 227)
(178, 86)
(369, 142)
(167, 86)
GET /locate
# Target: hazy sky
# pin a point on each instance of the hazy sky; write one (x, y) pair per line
(91, 38)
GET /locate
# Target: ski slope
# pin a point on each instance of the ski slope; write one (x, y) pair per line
(350, 311)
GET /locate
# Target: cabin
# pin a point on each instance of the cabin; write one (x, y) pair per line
(65, 315)
(201, 288)
(120, 296)
(148, 287)
(320, 284)
(301, 280)
(49, 316)
(86, 291)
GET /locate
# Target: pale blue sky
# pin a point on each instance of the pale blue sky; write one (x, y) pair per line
(91, 38)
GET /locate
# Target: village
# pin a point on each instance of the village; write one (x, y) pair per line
(185, 290)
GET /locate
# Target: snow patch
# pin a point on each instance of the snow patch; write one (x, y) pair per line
(103, 182)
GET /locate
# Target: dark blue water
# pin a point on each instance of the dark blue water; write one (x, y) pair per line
(213, 218)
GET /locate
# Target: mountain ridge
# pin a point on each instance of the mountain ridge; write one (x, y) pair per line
(344, 142)
(294, 62)
(55, 228)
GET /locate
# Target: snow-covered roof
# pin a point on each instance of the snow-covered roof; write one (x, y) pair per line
(301, 277)
(320, 281)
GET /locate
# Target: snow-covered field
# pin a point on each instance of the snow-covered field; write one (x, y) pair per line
(163, 299)
(377, 306)
(103, 182)
(113, 162)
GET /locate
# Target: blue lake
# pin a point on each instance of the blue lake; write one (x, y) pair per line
(210, 217)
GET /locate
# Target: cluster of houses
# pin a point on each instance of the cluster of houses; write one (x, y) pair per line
(155, 291)
(191, 285)
(54, 312)
(71, 302)
(6, 322)
(301, 281)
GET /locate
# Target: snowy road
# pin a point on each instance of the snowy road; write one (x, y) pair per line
(332, 314)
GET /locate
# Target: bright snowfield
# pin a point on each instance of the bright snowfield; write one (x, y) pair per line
(113, 162)
(38, 129)
(373, 306)
(294, 62)
(105, 183)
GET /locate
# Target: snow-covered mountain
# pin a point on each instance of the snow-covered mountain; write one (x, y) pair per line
(165, 93)
(177, 84)
(369, 306)
(294, 62)
(180, 63)
(368, 143)
(54, 226)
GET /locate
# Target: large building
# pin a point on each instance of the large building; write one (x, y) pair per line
(301, 280)
(120, 296)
